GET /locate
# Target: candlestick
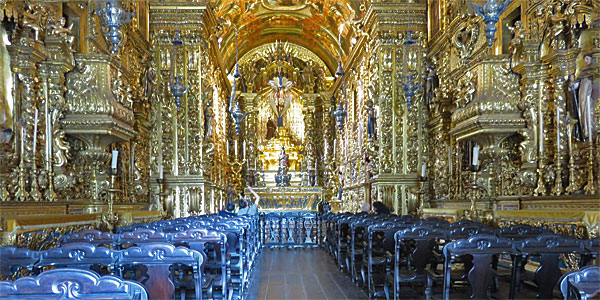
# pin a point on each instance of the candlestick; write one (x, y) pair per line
(48, 139)
(449, 160)
(541, 132)
(115, 155)
(558, 129)
(22, 140)
(475, 160)
(235, 147)
(21, 194)
(334, 147)
(35, 123)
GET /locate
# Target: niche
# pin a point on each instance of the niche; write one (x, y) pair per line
(507, 23)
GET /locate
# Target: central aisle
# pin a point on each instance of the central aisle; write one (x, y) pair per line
(300, 274)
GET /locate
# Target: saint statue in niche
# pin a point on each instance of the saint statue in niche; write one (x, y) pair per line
(586, 90)
(281, 97)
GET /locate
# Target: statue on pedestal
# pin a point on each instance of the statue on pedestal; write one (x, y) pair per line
(283, 178)
(585, 91)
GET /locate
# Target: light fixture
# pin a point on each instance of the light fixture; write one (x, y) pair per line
(490, 12)
(409, 87)
(341, 112)
(340, 116)
(236, 114)
(178, 88)
(114, 17)
(177, 41)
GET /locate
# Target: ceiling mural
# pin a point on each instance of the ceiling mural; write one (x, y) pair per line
(323, 27)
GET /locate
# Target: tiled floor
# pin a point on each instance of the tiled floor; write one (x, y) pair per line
(300, 274)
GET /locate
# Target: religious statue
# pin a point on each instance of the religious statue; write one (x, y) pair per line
(281, 97)
(308, 77)
(208, 117)
(371, 121)
(585, 95)
(431, 84)
(516, 44)
(271, 127)
(150, 81)
(60, 29)
(282, 178)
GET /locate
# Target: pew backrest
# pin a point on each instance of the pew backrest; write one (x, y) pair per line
(78, 255)
(519, 232)
(142, 236)
(13, 260)
(72, 284)
(95, 237)
(581, 284)
(153, 264)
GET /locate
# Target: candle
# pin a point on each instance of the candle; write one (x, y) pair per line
(449, 160)
(244, 148)
(334, 147)
(48, 137)
(35, 123)
(541, 126)
(132, 161)
(423, 170)
(115, 155)
(227, 148)
(589, 121)
(558, 129)
(475, 155)
(235, 147)
(22, 140)
(160, 171)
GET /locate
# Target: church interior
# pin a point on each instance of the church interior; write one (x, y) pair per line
(299, 149)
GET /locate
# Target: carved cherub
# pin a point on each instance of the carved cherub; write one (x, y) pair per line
(57, 28)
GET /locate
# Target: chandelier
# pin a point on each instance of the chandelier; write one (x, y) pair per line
(113, 18)
(341, 112)
(409, 87)
(237, 114)
(178, 88)
(490, 12)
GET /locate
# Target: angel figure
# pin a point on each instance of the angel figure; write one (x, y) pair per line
(281, 97)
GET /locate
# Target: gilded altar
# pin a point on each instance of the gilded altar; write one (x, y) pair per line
(269, 156)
